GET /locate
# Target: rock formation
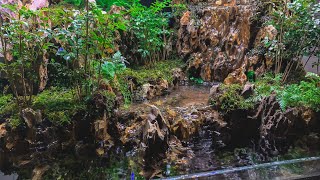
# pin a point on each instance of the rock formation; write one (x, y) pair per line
(216, 36)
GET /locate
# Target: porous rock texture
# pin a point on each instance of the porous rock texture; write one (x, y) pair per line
(215, 36)
(272, 129)
(279, 129)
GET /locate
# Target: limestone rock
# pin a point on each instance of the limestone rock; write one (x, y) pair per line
(178, 76)
(215, 38)
(185, 19)
(31, 117)
(248, 90)
(236, 77)
(39, 171)
(151, 90)
(3, 130)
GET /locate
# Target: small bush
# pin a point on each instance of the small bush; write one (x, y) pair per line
(267, 85)
(7, 105)
(306, 93)
(230, 98)
(58, 105)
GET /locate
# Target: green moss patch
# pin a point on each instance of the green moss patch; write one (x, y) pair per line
(162, 69)
(58, 105)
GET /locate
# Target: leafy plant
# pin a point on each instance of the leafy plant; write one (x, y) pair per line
(149, 27)
(7, 105)
(267, 85)
(25, 38)
(298, 26)
(113, 67)
(306, 93)
(197, 80)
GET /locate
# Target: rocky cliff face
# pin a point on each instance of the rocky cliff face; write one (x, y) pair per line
(216, 35)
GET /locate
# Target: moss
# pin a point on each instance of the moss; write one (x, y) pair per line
(230, 98)
(15, 121)
(59, 117)
(7, 105)
(58, 105)
(303, 94)
(110, 100)
(144, 74)
(161, 69)
(226, 158)
(294, 153)
(267, 85)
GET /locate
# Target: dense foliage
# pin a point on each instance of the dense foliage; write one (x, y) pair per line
(84, 42)
(304, 94)
(298, 26)
(230, 99)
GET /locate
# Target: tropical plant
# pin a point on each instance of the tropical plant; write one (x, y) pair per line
(306, 94)
(149, 28)
(113, 67)
(230, 98)
(25, 39)
(298, 25)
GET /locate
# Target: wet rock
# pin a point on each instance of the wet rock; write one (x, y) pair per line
(260, 62)
(248, 90)
(151, 90)
(39, 171)
(236, 77)
(149, 133)
(178, 76)
(187, 124)
(83, 149)
(3, 130)
(162, 86)
(102, 136)
(178, 155)
(148, 91)
(214, 90)
(31, 117)
(279, 129)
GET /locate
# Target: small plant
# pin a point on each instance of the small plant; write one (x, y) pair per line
(25, 38)
(7, 105)
(230, 99)
(298, 26)
(58, 105)
(306, 93)
(267, 85)
(149, 27)
(15, 122)
(196, 80)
